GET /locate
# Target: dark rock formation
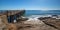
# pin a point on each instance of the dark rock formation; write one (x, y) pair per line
(43, 18)
(53, 23)
(14, 14)
(22, 19)
(9, 15)
(55, 16)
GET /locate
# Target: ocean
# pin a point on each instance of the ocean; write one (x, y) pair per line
(39, 12)
(42, 12)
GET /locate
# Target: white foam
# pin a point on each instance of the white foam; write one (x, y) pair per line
(23, 17)
(15, 21)
(33, 21)
(38, 16)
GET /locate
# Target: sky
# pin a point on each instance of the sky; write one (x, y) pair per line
(30, 4)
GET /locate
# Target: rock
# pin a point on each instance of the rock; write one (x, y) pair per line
(3, 22)
(42, 18)
(33, 21)
(53, 23)
(35, 24)
(10, 26)
(22, 19)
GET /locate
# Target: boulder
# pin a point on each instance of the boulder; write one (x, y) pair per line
(53, 23)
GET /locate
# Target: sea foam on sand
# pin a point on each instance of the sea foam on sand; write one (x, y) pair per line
(33, 21)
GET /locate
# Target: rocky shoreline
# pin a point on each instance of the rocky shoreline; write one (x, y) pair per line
(41, 23)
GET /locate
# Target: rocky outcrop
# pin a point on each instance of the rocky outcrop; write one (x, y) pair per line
(4, 25)
(53, 22)
(34, 24)
(3, 21)
(31, 24)
(22, 18)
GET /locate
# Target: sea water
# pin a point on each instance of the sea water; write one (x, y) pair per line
(41, 13)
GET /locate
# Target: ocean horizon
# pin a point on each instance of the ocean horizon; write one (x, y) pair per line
(42, 12)
(39, 12)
